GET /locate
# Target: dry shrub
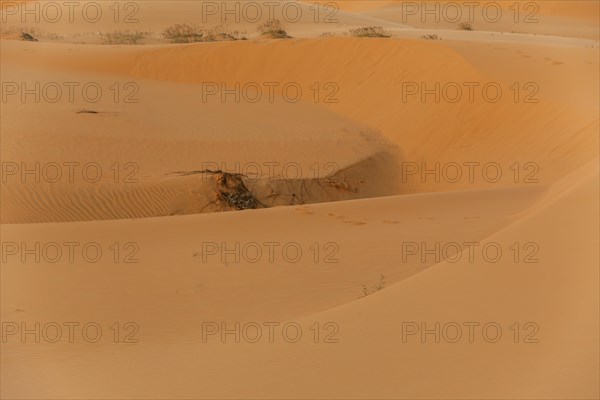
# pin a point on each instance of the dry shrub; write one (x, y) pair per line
(370, 31)
(183, 33)
(273, 29)
(465, 26)
(123, 37)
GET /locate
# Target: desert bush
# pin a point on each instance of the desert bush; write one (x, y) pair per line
(28, 34)
(123, 37)
(327, 35)
(431, 36)
(465, 26)
(231, 191)
(273, 29)
(221, 33)
(183, 33)
(370, 31)
(28, 37)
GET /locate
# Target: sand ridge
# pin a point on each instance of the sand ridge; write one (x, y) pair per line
(354, 188)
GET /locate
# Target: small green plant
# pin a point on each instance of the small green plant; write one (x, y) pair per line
(465, 26)
(123, 37)
(367, 291)
(431, 36)
(273, 29)
(370, 31)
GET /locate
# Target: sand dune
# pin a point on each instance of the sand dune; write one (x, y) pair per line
(374, 198)
(144, 172)
(561, 118)
(556, 18)
(152, 18)
(370, 327)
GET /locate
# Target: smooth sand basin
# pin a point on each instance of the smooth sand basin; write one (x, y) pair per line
(365, 244)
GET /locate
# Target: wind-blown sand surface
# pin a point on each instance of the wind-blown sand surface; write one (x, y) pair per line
(352, 203)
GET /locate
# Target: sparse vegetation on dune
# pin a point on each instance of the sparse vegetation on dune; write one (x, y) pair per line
(28, 37)
(465, 26)
(273, 29)
(231, 191)
(183, 33)
(326, 35)
(28, 34)
(431, 36)
(370, 31)
(123, 37)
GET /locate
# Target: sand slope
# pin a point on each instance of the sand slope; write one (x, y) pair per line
(562, 120)
(165, 260)
(369, 328)
(131, 159)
